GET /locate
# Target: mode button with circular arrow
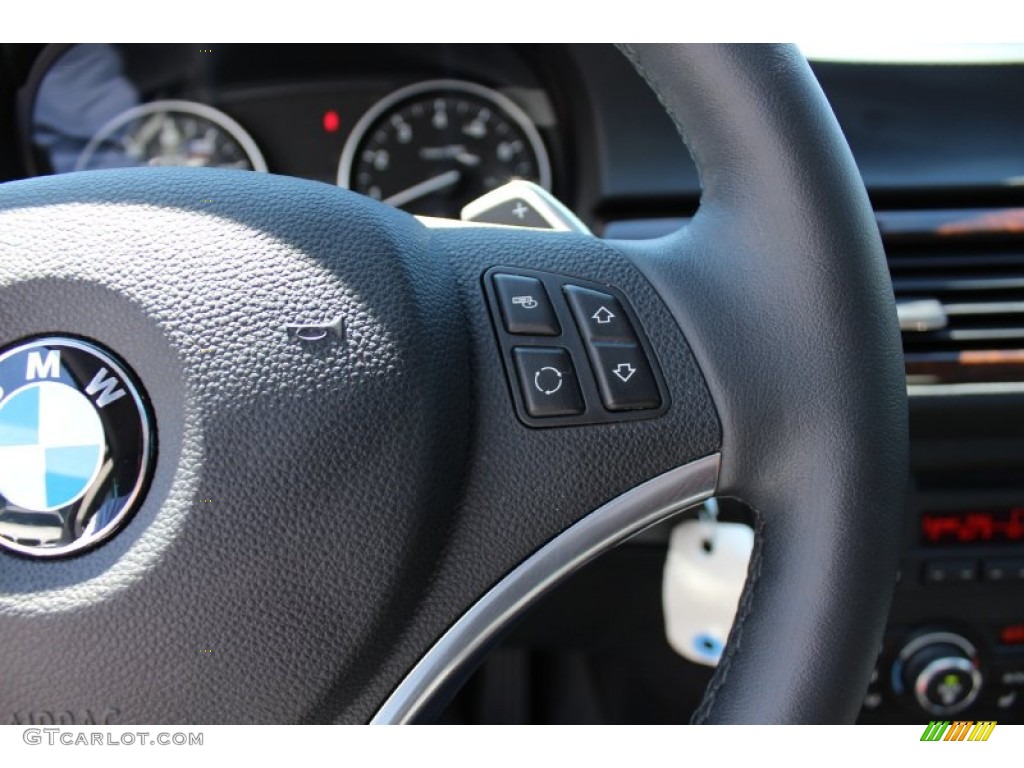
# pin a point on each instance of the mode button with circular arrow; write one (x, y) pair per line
(548, 382)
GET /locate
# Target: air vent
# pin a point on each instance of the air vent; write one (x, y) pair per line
(959, 282)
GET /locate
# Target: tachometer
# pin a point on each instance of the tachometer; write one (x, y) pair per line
(171, 132)
(434, 146)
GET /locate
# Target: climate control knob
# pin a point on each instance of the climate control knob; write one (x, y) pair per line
(940, 671)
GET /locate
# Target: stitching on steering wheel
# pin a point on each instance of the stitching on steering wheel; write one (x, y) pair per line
(736, 635)
(630, 53)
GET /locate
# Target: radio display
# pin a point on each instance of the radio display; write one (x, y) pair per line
(1001, 526)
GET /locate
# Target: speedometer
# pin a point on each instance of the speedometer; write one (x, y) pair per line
(432, 147)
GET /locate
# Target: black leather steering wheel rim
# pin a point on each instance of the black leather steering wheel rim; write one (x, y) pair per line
(392, 485)
(789, 300)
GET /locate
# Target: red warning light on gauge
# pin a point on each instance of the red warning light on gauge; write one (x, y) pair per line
(332, 121)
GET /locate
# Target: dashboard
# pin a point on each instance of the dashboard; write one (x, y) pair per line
(428, 128)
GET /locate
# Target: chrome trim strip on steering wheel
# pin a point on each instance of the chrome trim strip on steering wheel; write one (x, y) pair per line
(637, 509)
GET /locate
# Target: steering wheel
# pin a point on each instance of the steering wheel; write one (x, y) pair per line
(336, 525)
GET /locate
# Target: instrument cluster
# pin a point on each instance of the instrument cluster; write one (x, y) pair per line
(423, 128)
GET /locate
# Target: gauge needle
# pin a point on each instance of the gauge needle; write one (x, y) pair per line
(441, 153)
(456, 152)
(425, 187)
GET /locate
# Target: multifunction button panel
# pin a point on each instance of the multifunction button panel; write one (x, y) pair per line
(573, 350)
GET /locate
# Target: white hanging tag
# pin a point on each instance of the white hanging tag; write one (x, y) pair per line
(704, 576)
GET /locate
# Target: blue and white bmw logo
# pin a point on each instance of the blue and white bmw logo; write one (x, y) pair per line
(75, 446)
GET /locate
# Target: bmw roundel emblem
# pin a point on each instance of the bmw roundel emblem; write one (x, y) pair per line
(75, 446)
